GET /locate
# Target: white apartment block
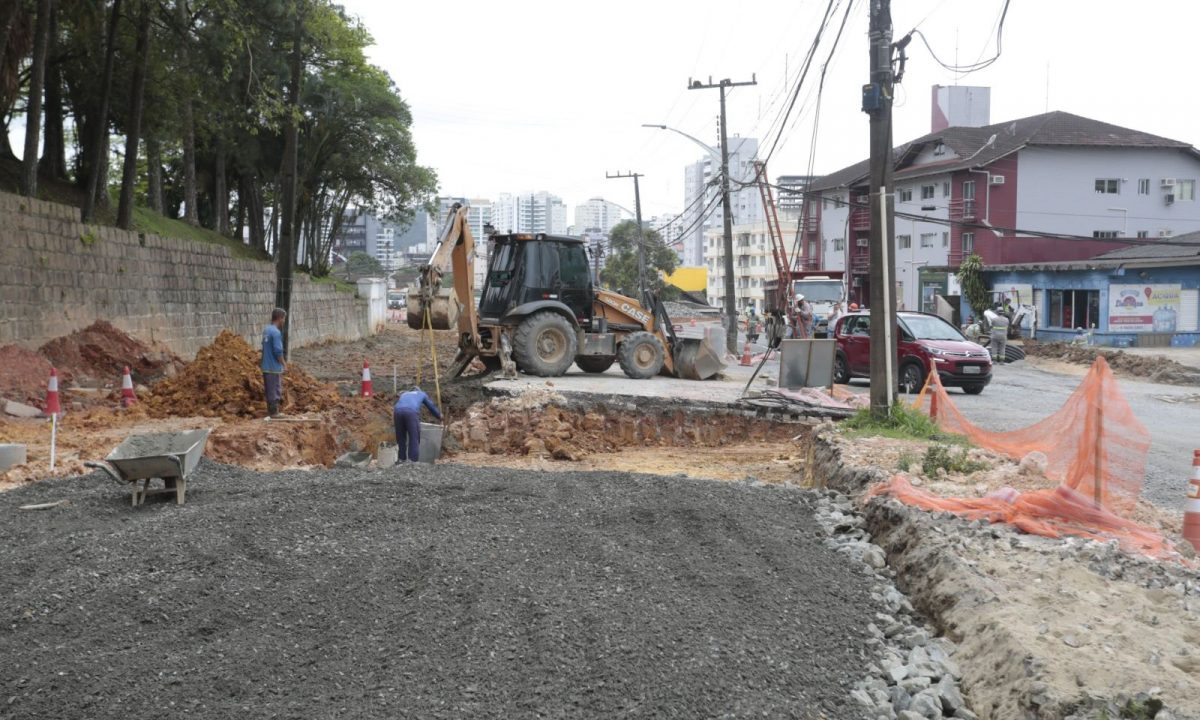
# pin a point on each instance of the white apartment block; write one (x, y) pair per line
(753, 263)
(597, 214)
(701, 192)
(530, 212)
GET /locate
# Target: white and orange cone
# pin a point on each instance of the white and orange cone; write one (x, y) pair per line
(746, 359)
(1191, 511)
(367, 391)
(128, 398)
(53, 407)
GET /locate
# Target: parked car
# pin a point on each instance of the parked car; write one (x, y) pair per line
(924, 341)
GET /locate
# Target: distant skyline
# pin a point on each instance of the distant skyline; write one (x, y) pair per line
(548, 96)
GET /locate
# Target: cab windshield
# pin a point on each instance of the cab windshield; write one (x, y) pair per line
(824, 291)
(928, 327)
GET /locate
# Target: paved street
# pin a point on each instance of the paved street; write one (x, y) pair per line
(1022, 394)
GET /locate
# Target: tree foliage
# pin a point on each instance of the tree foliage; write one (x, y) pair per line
(207, 117)
(621, 266)
(970, 277)
(360, 265)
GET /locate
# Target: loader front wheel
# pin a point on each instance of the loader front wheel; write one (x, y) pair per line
(544, 344)
(594, 363)
(641, 355)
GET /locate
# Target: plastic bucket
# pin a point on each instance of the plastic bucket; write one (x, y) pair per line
(387, 455)
(431, 442)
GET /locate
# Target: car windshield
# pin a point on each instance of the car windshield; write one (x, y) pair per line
(927, 327)
(823, 291)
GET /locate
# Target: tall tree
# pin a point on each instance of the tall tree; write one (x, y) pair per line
(33, 115)
(53, 164)
(188, 118)
(621, 266)
(133, 128)
(285, 253)
(99, 139)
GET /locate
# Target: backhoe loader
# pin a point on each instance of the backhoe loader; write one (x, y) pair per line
(539, 312)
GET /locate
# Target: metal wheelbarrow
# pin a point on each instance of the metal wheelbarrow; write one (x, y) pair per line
(141, 458)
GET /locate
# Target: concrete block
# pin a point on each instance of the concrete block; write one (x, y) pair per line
(21, 410)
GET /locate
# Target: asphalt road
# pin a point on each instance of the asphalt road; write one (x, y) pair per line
(430, 592)
(1021, 395)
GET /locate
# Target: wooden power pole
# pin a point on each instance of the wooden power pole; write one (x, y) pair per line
(877, 102)
(641, 239)
(731, 323)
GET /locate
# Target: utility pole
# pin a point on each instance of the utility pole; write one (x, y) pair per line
(877, 102)
(285, 250)
(731, 335)
(637, 207)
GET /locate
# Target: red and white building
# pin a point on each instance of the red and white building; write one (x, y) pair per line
(992, 189)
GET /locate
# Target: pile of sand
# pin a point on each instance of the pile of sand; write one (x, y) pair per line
(99, 352)
(225, 381)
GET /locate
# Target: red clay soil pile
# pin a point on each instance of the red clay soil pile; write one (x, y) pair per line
(100, 351)
(23, 375)
(225, 381)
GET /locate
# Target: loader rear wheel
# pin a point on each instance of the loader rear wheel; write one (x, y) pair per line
(544, 344)
(640, 355)
(594, 363)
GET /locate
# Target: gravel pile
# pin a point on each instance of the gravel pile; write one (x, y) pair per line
(430, 592)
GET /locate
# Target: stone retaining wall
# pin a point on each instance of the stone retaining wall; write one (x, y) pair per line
(58, 275)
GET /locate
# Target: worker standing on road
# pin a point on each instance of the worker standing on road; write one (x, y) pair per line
(999, 325)
(804, 318)
(273, 364)
(406, 416)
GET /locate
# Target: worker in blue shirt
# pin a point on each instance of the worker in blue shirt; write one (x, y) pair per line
(273, 364)
(407, 418)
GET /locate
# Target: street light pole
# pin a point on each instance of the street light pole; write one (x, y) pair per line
(730, 301)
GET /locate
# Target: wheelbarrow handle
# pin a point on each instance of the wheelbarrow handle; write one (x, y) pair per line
(108, 470)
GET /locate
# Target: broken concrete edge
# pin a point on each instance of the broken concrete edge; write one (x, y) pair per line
(20, 410)
(922, 553)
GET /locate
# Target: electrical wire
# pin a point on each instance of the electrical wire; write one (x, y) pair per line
(972, 67)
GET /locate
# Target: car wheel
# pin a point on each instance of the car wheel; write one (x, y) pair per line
(973, 389)
(912, 377)
(544, 344)
(841, 371)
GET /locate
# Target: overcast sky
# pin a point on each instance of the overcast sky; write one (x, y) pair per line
(548, 95)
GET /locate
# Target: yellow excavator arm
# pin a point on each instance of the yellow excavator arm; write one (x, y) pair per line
(443, 308)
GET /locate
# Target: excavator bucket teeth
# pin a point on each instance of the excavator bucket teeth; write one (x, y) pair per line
(695, 359)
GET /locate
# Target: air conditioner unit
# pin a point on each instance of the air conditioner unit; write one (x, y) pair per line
(856, 282)
(1169, 198)
(1168, 182)
(996, 180)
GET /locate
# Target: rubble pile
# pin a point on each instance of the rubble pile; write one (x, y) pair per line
(99, 352)
(23, 375)
(536, 425)
(1154, 367)
(225, 381)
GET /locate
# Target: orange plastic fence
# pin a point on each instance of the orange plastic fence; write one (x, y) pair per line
(1095, 450)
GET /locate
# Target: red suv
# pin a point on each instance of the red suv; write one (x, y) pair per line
(924, 341)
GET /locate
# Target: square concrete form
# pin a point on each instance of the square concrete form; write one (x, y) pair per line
(806, 363)
(11, 455)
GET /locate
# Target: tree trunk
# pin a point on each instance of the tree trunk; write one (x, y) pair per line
(285, 259)
(191, 209)
(33, 116)
(54, 151)
(154, 174)
(100, 127)
(8, 19)
(239, 231)
(133, 133)
(220, 188)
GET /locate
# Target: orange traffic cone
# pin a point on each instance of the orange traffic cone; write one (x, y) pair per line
(52, 405)
(746, 355)
(127, 396)
(366, 381)
(1191, 511)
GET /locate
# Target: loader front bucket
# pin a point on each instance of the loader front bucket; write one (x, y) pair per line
(696, 359)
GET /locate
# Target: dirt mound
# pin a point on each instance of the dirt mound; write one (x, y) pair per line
(225, 381)
(23, 375)
(1155, 367)
(517, 427)
(100, 351)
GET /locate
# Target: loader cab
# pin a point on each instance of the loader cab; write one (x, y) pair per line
(529, 268)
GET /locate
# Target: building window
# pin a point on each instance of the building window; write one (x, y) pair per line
(969, 190)
(1108, 186)
(945, 239)
(968, 243)
(927, 191)
(863, 241)
(946, 189)
(839, 243)
(1073, 309)
(1185, 190)
(927, 239)
(1105, 234)
(904, 241)
(1144, 186)
(906, 195)
(1143, 233)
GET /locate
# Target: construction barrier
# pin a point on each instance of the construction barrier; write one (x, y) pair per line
(1191, 512)
(747, 360)
(1095, 450)
(128, 398)
(53, 406)
(367, 390)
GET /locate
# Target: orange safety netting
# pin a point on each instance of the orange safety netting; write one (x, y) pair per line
(1095, 450)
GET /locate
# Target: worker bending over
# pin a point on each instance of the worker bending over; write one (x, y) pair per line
(407, 417)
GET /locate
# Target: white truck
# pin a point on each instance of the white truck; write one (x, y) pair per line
(821, 291)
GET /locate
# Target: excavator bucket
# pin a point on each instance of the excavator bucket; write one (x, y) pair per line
(699, 358)
(443, 310)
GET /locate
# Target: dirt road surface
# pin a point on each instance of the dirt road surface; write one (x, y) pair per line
(440, 592)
